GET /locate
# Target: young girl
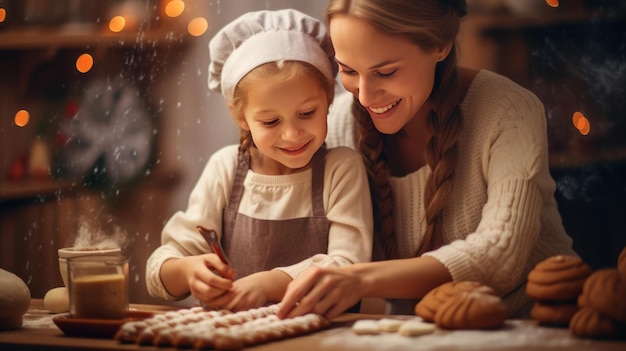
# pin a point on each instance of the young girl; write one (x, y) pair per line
(458, 163)
(280, 201)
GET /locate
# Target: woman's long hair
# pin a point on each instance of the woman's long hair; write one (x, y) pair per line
(430, 24)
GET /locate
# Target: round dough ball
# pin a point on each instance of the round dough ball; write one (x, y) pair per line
(57, 300)
(14, 300)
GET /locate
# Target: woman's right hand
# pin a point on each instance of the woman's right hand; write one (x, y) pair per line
(209, 279)
(326, 291)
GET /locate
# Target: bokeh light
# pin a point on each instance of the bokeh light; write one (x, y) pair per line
(117, 24)
(552, 3)
(197, 26)
(576, 117)
(174, 8)
(21, 118)
(3, 14)
(84, 63)
(580, 122)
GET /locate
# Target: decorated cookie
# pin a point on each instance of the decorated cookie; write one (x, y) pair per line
(471, 310)
(589, 323)
(557, 278)
(427, 307)
(605, 291)
(553, 313)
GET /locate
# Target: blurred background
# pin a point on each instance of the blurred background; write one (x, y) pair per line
(106, 120)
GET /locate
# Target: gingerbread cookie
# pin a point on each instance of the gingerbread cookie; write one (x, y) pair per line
(471, 310)
(605, 291)
(589, 323)
(553, 313)
(427, 307)
(557, 278)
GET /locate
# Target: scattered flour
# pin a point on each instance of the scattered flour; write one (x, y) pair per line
(38, 321)
(515, 333)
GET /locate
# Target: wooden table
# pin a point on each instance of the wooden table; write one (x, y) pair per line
(40, 333)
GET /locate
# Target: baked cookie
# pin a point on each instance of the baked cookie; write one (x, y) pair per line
(557, 278)
(605, 291)
(553, 313)
(471, 310)
(589, 323)
(427, 307)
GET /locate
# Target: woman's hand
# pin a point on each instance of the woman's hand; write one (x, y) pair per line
(326, 291)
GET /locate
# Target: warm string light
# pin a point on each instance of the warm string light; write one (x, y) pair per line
(84, 63)
(581, 123)
(197, 26)
(553, 3)
(117, 24)
(174, 8)
(21, 118)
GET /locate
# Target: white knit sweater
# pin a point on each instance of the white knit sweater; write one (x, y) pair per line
(502, 218)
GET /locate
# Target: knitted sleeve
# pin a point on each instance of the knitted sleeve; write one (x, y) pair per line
(179, 237)
(515, 169)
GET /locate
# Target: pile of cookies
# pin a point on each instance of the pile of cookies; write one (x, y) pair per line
(555, 283)
(462, 305)
(602, 303)
(592, 304)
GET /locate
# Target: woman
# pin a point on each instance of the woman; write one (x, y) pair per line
(457, 162)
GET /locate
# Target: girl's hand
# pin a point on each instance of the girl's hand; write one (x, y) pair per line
(247, 293)
(326, 291)
(209, 279)
(258, 289)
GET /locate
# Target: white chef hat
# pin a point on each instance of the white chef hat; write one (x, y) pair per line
(266, 36)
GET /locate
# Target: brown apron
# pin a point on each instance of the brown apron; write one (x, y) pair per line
(254, 245)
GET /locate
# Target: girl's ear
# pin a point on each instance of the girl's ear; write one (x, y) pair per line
(443, 52)
(238, 117)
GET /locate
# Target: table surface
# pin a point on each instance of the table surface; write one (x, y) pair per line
(40, 333)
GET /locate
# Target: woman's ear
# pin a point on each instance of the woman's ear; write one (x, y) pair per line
(443, 52)
(238, 117)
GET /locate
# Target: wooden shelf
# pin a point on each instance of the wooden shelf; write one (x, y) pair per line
(509, 21)
(78, 36)
(24, 189)
(561, 160)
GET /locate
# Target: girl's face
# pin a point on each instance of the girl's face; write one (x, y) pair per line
(287, 120)
(390, 76)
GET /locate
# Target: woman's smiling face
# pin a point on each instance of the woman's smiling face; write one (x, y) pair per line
(391, 76)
